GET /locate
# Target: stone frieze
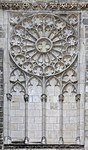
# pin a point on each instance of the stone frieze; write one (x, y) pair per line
(43, 6)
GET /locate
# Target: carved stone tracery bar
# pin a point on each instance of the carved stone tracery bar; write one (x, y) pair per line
(26, 99)
(44, 100)
(61, 99)
(9, 97)
(78, 117)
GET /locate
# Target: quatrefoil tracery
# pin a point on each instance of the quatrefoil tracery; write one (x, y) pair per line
(43, 44)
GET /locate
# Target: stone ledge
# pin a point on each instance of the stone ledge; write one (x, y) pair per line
(43, 146)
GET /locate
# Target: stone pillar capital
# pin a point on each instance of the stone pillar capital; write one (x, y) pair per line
(77, 97)
(61, 97)
(26, 97)
(9, 96)
(44, 97)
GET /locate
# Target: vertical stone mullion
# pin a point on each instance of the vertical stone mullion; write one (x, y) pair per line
(77, 97)
(1, 97)
(26, 99)
(9, 97)
(43, 99)
(61, 98)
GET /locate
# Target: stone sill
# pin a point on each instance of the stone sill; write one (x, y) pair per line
(43, 146)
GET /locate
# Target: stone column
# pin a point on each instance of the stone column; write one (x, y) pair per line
(26, 99)
(44, 100)
(9, 97)
(77, 97)
(61, 98)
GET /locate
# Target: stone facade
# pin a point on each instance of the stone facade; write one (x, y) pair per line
(43, 80)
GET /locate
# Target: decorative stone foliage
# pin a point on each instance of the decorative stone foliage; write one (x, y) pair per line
(52, 5)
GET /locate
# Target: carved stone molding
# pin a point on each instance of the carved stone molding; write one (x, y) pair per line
(43, 6)
(44, 146)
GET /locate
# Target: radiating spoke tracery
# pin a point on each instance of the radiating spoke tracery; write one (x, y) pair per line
(43, 40)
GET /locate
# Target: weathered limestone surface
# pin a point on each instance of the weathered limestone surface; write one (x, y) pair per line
(44, 59)
(2, 36)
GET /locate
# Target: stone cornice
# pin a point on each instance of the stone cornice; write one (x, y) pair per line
(43, 6)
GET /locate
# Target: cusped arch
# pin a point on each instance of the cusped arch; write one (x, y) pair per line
(53, 86)
(53, 78)
(18, 88)
(34, 86)
(36, 78)
(69, 88)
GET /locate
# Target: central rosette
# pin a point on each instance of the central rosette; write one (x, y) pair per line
(43, 45)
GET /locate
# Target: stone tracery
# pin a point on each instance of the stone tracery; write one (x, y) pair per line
(44, 47)
(43, 44)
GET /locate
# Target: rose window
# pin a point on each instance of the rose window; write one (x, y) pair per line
(43, 44)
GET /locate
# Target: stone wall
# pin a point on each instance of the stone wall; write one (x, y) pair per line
(86, 92)
(45, 101)
(2, 36)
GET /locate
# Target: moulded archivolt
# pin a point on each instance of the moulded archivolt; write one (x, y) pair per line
(43, 44)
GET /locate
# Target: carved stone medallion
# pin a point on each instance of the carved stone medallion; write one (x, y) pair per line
(43, 44)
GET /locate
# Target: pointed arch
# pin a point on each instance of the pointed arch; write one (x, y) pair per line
(18, 88)
(50, 79)
(69, 87)
(34, 86)
(69, 111)
(34, 77)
